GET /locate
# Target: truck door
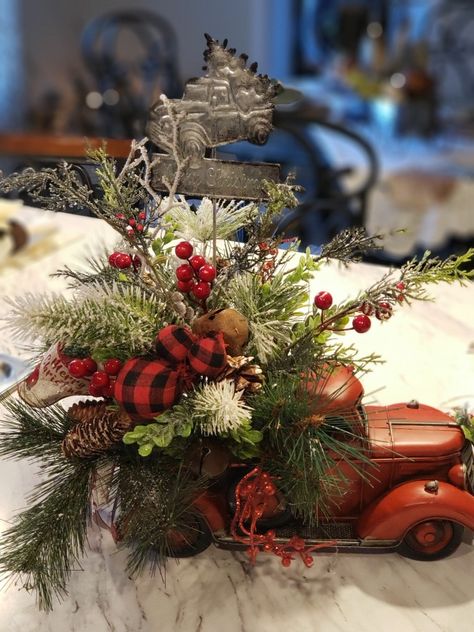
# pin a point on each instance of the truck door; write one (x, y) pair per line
(226, 125)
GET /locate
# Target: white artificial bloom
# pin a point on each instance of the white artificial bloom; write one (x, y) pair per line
(219, 408)
(197, 224)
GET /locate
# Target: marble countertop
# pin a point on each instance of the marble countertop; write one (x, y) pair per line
(428, 350)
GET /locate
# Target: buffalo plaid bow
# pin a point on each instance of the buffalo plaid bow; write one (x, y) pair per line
(147, 386)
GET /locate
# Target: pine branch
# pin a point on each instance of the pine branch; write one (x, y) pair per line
(196, 223)
(156, 500)
(124, 320)
(305, 441)
(32, 433)
(47, 540)
(271, 309)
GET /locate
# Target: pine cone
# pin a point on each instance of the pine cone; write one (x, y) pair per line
(97, 429)
(247, 376)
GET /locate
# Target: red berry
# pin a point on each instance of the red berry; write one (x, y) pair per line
(384, 311)
(120, 216)
(184, 272)
(142, 215)
(361, 323)
(91, 365)
(112, 366)
(207, 273)
(77, 368)
(95, 391)
(308, 561)
(137, 262)
(268, 265)
(132, 221)
(100, 379)
(186, 286)
(263, 246)
(112, 259)
(108, 391)
(184, 250)
(286, 561)
(197, 262)
(402, 287)
(323, 300)
(123, 261)
(366, 308)
(139, 228)
(201, 290)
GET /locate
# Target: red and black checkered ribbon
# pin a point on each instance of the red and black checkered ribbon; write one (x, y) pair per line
(173, 343)
(147, 386)
(207, 356)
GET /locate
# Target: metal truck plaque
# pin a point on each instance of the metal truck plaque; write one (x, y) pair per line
(230, 103)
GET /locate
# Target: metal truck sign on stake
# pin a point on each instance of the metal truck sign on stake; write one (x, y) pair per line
(230, 103)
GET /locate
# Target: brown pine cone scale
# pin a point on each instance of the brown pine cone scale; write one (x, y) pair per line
(97, 429)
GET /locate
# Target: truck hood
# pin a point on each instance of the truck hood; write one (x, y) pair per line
(412, 430)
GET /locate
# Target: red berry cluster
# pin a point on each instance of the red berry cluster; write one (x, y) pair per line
(122, 261)
(196, 275)
(270, 254)
(134, 224)
(102, 382)
(361, 322)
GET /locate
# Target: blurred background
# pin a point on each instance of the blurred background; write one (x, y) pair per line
(381, 135)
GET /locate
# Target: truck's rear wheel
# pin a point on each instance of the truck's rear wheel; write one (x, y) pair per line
(193, 144)
(431, 540)
(190, 539)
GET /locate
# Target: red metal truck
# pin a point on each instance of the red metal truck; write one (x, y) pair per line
(417, 501)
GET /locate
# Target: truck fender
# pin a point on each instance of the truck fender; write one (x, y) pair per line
(390, 517)
(213, 510)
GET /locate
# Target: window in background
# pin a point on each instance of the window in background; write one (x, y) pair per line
(11, 68)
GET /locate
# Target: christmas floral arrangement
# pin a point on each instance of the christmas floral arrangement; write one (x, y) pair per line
(188, 353)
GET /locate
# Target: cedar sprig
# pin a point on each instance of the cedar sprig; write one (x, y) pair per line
(58, 188)
(350, 245)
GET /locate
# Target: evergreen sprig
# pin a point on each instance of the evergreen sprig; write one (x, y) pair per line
(156, 501)
(271, 309)
(305, 440)
(46, 540)
(120, 320)
(32, 433)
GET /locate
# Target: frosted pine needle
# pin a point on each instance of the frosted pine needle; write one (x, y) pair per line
(197, 223)
(220, 409)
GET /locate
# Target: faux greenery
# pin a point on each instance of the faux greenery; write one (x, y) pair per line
(114, 313)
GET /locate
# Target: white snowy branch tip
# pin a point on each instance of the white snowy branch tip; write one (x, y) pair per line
(220, 409)
(197, 223)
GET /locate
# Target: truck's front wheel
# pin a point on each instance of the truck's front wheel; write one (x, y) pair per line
(431, 540)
